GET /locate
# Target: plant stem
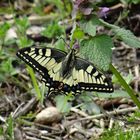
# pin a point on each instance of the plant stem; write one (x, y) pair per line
(123, 83)
(30, 70)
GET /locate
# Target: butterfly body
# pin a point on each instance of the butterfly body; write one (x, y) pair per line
(65, 72)
(68, 64)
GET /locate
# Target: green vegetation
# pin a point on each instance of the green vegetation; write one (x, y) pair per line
(95, 46)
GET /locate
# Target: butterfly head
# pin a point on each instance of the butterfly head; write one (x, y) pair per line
(76, 48)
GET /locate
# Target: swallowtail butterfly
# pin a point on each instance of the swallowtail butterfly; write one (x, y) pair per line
(65, 72)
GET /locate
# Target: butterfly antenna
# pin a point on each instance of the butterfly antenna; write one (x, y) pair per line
(65, 42)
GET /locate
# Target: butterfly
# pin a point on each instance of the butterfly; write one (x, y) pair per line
(65, 72)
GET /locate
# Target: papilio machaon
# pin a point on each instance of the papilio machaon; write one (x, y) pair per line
(65, 72)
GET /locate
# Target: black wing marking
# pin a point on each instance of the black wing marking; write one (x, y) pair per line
(85, 76)
(89, 78)
(47, 61)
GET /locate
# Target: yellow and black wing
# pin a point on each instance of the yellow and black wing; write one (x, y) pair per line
(88, 78)
(49, 62)
(46, 61)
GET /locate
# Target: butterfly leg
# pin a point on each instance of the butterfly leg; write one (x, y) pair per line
(48, 97)
(50, 91)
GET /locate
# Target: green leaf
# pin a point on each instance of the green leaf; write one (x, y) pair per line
(3, 29)
(98, 50)
(77, 33)
(6, 66)
(127, 36)
(34, 81)
(89, 26)
(128, 78)
(123, 83)
(53, 30)
(10, 128)
(1, 131)
(62, 103)
(90, 107)
(22, 25)
(115, 94)
(60, 44)
(136, 1)
(24, 42)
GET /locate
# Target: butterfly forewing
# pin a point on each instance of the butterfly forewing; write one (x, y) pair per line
(47, 61)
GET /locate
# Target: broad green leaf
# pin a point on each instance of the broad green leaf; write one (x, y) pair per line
(22, 25)
(77, 33)
(53, 30)
(98, 50)
(90, 107)
(127, 37)
(115, 94)
(90, 25)
(60, 44)
(127, 78)
(62, 103)
(23, 41)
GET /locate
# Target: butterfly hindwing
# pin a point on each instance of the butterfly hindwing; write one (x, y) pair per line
(89, 78)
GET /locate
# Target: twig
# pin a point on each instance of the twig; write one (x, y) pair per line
(95, 121)
(46, 127)
(2, 119)
(73, 109)
(111, 124)
(17, 109)
(31, 138)
(109, 113)
(39, 135)
(25, 109)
